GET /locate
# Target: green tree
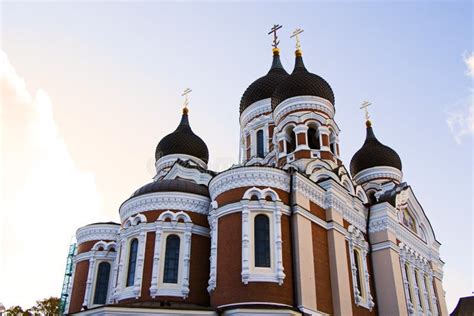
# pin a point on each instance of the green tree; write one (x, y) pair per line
(46, 307)
(16, 311)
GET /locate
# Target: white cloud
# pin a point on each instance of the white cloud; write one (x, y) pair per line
(44, 196)
(469, 61)
(460, 118)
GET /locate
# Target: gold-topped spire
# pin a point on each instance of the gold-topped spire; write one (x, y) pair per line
(365, 105)
(296, 34)
(275, 43)
(186, 100)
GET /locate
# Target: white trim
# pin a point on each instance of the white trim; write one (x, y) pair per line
(97, 232)
(303, 103)
(213, 224)
(165, 201)
(254, 303)
(127, 311)
(255, 110)
(382, 172)
(193, 174)
(248, 177)
(168, 160)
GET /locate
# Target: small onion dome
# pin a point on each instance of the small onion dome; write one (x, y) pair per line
(374, 154)
(302, 82)
(263, 87)
(174, 185)
(183, 141)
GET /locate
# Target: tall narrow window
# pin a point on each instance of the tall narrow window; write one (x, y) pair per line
(290, 141)
(408, 277)
(262, 241)
(132, 262)
(313, 138)
(260, 142)
(332, 143)
(408, 220)
(418, 287)
(102, 283)
(358, 271)
(170, 274)
(428, 292)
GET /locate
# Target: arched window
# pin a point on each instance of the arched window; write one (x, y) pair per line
(290, 140)
(132, 262)
(170, 274)
(262, 241)
(260, 150)
(102, 283)
(313, 138)
(358, 271)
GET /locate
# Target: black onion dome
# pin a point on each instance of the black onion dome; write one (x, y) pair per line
(302, 82)
(174, 185)
(374, 154)
(263, 87)
(183, 141)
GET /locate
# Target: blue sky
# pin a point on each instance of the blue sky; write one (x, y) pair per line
(114, 72)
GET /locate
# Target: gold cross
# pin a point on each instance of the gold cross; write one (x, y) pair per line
(186, 97)
(365, 106)
(296, 34)
(274, 30)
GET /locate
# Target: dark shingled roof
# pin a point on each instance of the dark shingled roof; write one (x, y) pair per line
(263, 87)
(183, 141)
(374, 154)
(103, 223)
(174, 185)
(302, 82)
(465, 307)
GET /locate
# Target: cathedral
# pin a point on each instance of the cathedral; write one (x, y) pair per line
(288, 230)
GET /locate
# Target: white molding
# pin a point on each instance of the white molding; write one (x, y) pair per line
(249, 177)
(97, 232)
(303, 103)
(95, 258)
(356, 240)
(165, 201)
(213, 224)
(127, 311)
(382, 172)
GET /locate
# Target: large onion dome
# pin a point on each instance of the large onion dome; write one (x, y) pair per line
(374, 154)
(302, 82)
(183, 141)
(263, 87)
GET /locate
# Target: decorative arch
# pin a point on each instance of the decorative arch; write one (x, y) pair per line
(317, 164)
(361, 194)
(135, 220)
(107, 246)
(347, 183)
(323, 174)
(261, 194)
(174, 217)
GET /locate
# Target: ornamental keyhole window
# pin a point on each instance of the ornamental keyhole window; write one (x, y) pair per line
(171, 269)
(102, 283)
(313, 138)
(262, 241)
(132, 262)
(260, 144)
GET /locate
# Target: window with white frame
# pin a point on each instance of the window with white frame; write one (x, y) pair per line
(358, 249)
(132, 262)
(261, 237)
(102, 283)
(314, 141)
(260, 144)
(170, 273)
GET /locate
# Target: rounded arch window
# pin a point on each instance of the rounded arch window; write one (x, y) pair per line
(102, 283)
(260, 144)
(332, 141)
(171, 269)
(132, 262)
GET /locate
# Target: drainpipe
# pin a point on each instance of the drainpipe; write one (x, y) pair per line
(369, 254)
(291, 171)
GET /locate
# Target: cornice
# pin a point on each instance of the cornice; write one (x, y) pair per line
(97, 232)
(303, 103)
(254, 110)
(249, 177)
(383, 172)
(165, 200)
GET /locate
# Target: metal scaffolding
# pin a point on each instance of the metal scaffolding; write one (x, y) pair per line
(67, 278)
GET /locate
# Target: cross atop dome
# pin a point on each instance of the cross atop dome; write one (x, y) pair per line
(185, 94)
(273, 30)
(365, 105)
(296, 34)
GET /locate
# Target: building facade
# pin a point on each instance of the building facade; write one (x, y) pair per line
(289, 230)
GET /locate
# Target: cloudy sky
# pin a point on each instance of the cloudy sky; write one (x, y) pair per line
(88, 89)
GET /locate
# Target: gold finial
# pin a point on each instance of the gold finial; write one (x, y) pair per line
(296, 34)
(186, 100)
(365, 105)
(274, 30)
